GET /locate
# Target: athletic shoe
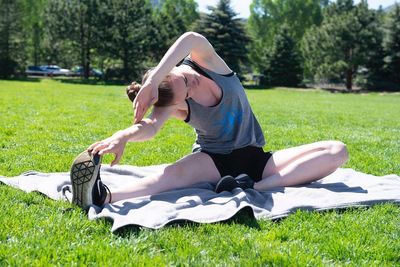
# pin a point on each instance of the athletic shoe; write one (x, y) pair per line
(100, 192)
(87, 188)
(228, 183)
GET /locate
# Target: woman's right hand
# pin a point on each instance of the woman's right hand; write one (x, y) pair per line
(147, 96)
(114, 144)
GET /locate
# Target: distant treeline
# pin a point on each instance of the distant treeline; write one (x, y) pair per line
(284, 42)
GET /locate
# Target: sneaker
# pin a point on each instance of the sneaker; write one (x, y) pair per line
(87, 188)
(100, 192)
(228, 183)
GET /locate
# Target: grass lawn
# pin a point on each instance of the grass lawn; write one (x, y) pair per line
(45, 124)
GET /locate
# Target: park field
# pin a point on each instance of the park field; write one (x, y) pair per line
(44, 124)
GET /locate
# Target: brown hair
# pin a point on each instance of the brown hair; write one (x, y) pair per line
(165, 94)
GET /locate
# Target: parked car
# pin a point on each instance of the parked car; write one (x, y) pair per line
(47, 70)
(36, 71)
(78, 71)
(55, 70)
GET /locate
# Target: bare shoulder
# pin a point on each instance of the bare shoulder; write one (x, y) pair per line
(181, 111)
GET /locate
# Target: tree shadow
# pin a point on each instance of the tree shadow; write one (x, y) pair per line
(344, 91)
(24, 79)
(257, 87)
(332, 90)
(355, 91)
(92, 81)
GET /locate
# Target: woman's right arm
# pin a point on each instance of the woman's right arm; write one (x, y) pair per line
(189, 43)
(144, 130)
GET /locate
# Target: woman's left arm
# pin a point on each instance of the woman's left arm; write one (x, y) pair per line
(191, 43)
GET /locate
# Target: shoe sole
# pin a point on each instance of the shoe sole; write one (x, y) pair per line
(83, 175)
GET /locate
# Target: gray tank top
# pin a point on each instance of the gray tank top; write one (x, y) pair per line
(228, 125)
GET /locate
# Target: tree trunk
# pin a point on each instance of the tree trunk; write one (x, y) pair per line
(349, 70)
(86, 68)
(349, 79)
(88, 35)
(87, 62)
(36, 43)
(6, 68)
(82, 41)
(125, 62)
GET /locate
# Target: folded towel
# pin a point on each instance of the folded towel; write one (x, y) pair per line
(199, 203)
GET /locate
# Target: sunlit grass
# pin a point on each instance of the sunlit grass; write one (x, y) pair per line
(43, 125)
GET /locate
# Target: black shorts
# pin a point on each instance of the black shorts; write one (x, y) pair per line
(249, 160)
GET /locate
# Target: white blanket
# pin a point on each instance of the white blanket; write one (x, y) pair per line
(199, 203)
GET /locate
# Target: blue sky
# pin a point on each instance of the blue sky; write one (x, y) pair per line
(242, 6)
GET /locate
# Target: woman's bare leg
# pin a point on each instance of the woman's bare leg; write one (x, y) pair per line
(302, 164)
(194, 168)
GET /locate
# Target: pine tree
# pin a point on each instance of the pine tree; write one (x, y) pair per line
(392, 46)
(185, 10)
(70, 29)
(375, 76)
(226, 33)
(127, 34)
(283, 61)
(33, 28)
(342, 44)
(12, 41)
(173, 18)
(267, 16)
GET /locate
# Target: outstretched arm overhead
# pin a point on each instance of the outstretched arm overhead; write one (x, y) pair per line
(190, 43)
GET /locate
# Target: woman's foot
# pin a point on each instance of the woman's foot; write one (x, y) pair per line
(228, 183)
(87, 188)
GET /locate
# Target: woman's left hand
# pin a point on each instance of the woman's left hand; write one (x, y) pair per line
(147, 96)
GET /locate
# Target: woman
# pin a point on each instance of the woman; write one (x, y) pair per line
(204, 92)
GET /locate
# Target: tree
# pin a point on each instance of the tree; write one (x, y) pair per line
(391, 46)
(128, 34)
(267, 16)
(374, 76)
(33, 28)
(283, 61)
(72, 24)
(184, 9)
(226, 33)
(173, 18)
(12, 41)
(53, 38)
(342, 44)
(83, 14)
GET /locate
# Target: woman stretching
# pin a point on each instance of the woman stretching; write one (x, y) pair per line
(205, 93)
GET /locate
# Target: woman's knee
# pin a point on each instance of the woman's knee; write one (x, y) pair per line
(338, 150)
(173, 171)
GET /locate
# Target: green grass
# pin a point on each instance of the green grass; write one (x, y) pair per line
(43, 125)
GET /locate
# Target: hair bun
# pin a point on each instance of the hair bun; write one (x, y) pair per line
(132, 90)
